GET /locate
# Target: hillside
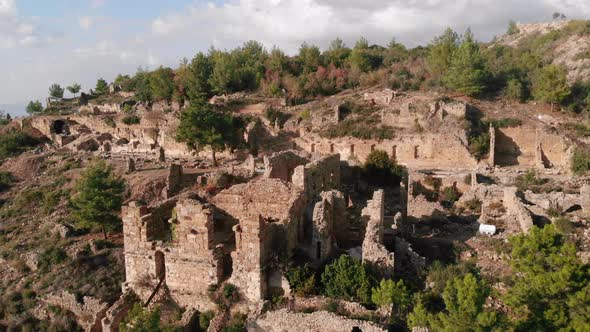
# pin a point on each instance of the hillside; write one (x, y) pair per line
(437, 188)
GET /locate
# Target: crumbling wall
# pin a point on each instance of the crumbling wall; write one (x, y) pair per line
(516, 209)
(281, 165)
(118, 311)
(374, 252)
(427, 150)
(184, 254)
(406, 259)
(280, 202)
(250, 258)
(318, 176)
(88, 313)
(331, 209)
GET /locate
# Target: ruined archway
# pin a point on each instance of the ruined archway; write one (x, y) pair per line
(59, 127)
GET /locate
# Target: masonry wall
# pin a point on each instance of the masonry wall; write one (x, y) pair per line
(415, 151)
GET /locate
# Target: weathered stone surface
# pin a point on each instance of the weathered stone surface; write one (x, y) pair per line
(374, 252)
(88, 313)
(283, 320)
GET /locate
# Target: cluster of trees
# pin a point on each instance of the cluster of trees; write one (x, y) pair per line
(549, 290)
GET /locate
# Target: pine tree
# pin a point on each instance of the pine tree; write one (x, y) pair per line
(467, 72)
(99, 197)
(550, 85)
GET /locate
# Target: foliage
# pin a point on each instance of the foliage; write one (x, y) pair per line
(467, 71)
(15, 142)
(6, 180)
(531, 178)
(464, 300)
(102, 87)
(56, 91)
(50, 257)
(99, 195)
(563, 225)
(479, 145)
(110, 122)
(550, 289)
(74, 88)
(201, 126)
(504, 123)
(450, 195)
(515, 90)
(140, 319)
(347, 278)
(143, 90)
(393, 293)
(34, 107)
(131, 120)
(441, 52)
(439, 274)
(550, 85)
(205, 319)
(237, 323)
(162, 84)
(580, 163)
(512, 28)
(379, 169)
(302, 280)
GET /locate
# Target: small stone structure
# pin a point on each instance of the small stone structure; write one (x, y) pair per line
(374, 252)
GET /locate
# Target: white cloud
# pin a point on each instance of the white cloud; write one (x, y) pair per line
(7, 8)
(288, 23)
(94, 4)
(85, 22)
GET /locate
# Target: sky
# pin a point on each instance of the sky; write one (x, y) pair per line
(77, 41)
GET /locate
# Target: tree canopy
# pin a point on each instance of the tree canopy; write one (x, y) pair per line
(34, 107)
(347, 278)
(99, 196)
(56, 91)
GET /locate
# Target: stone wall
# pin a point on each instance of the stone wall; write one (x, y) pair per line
(281, 165)
(189, 260)
(516, 210)
(88, 313)
(414, 151)
(329, 214)
(374, 252)
(318, 176)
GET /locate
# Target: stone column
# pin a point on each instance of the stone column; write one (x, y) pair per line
(492, 153)
(539, 164)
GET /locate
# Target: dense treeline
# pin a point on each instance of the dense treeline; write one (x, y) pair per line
(450, 62)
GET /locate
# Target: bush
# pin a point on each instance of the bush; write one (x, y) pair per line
(450, 195)
(347, 278)
(580, 162)
(237, 323)
(110, 122)
(131, 120)
(515, 90)
(563, 225)
(479, 146)
(205, 319)
(6, 180)
(529, 179)
(50, 257)
(302, 280)
(15, 142)
(379, 169)
(439, 274)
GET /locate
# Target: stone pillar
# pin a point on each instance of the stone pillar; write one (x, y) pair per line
(492, 153)
(337, 113)
(539, 164)
(585, 197)
(473, 179)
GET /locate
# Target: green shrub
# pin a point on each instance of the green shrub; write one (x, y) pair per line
(131, 120)
(51, 257)
(450, 195)
(580, 162)
(563, 225)
(349, 279)
(439, 274)
(16, 142)
(479, 146)
(379, 169)
(237, 323)
(515, 90)
(302, 280)
(110, 122)
(504, 123)
(205, 319)
(6, 180)
(305, 114)
(529, 179)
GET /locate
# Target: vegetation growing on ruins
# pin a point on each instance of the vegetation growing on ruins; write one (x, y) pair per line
(380, 169)
(349, 279)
